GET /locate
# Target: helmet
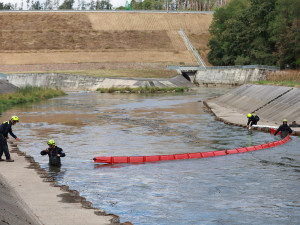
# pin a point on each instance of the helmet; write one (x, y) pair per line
(51, 142)
(15, 118)
(249, 115)
(285, 120)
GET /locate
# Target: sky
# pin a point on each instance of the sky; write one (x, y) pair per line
(115, 3)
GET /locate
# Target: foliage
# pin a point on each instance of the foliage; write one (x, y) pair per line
(142, 90)
(67, 4)
(36, 6)
(7, 6)
(26, 95)
(263, 32)
(103, 5)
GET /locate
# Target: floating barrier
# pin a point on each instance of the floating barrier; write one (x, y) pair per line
(197, 155)
(267, 126)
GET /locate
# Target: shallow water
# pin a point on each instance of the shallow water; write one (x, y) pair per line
(260, 187)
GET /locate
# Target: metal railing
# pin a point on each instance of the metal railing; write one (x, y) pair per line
(191, 48)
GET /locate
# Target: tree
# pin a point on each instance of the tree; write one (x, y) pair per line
(67, 4)
(7, 6)
(230, 38)
(285, 30)
(264, 32)
(147, 4)
(36, 5)
(92, 5)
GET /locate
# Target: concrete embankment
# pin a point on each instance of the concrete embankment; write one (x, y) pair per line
(6, 87)
(68, 82)
(35, 198)
(271, 103)
(229, 76)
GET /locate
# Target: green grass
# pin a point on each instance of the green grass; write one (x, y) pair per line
(26, 95)
(129, 73)
(286, 83)
(142, 90)
(288, 78)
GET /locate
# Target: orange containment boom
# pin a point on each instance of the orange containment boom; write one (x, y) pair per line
(155, 158)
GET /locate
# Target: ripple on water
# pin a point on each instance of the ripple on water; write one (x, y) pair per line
(260, 187)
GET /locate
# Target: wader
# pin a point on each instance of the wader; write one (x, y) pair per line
(4, 147)
(54, 161)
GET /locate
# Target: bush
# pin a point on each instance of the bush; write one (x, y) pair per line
(27, 94)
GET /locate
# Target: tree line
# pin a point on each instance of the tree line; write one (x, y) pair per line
(263, 32)
(55, 5)
(192, 5)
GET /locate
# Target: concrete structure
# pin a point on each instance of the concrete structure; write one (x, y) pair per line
(271, 103)
(68, 82)
(230, 76)
(6, 87)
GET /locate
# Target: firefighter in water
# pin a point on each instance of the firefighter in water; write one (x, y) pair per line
(54, 152)
(252, 120)
(284, 128)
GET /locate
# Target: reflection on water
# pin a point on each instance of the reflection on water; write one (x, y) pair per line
(252, 188)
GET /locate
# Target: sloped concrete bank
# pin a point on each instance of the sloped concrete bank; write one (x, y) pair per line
(271, 103)
(6, 87)
(68, 82)
(43, 201)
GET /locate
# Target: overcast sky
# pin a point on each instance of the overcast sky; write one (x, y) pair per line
(115, 3)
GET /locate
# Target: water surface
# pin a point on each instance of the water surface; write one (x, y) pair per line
(259, 187)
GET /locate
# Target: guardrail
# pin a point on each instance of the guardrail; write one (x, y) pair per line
(194, 68)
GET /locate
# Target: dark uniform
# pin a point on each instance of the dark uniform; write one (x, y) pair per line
(253, 120)
(54, 160)
(285, 130)
(5, 129)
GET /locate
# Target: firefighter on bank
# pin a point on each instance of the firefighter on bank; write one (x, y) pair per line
(252, 120)
(54, 152)
(5, 129)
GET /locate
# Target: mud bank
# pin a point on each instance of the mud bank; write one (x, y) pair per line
(68, 82)
(271, 103)
(40, 200)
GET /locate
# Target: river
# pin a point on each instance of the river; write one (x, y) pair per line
(260, 187)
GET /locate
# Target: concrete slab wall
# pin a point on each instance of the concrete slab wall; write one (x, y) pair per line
(68, 82)
(286, 106)
(270, 103)
(234, 76)
(6, 87)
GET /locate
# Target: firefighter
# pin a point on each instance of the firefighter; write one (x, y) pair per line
(5, 129)
(54, 152)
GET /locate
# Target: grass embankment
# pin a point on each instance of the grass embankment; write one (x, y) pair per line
(26, 95)
(284, 78)
(142, 90)
(128, 73)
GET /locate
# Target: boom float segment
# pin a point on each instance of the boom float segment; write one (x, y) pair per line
(155, 158)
